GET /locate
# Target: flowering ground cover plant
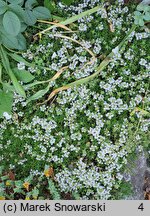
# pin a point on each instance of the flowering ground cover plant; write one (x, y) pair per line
(75, 143)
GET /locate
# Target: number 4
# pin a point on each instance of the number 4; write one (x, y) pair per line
(141, 207)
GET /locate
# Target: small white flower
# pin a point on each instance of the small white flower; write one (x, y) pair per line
(116, 50)
(21, 65)
(7, 116)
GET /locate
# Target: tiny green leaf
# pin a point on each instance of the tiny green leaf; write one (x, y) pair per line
(141, 22)
(137, 13)
(11, 23)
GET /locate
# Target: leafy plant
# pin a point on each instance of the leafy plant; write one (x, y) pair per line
(15, 17)
(142, 14)
(27, 188)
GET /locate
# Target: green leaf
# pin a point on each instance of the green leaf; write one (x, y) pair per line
(141, 22)
(23, 75)
(140, 7)
(137, 13)
(136, 21)
(8, 87)
(35, 193)
(19, 184)
(9, 40)
(23, 27)
(30, 18)
(0, 73)
(18, 42)
(38, 94)
(50, 5)
(16, 1)
(19, 89)
(18, 10)
(18, 190)
(21, 42)
(5, 177)
(11, 23)
(18, 58)
(3, 7)
(147, 16)
(6, 100)
(30, 4)
(0, 39)
(41, 13)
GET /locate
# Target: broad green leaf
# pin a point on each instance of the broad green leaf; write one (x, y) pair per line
(6, 100)
(30, 4)
(21, 42)
(11, 23)
(41, 13)
(9, 41)
(16, 1)
(3, 7)
(23, 75)
(30, 18)
(18, 10)
(38, 94)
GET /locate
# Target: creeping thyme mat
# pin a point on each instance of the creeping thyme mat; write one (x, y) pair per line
(79, 142)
